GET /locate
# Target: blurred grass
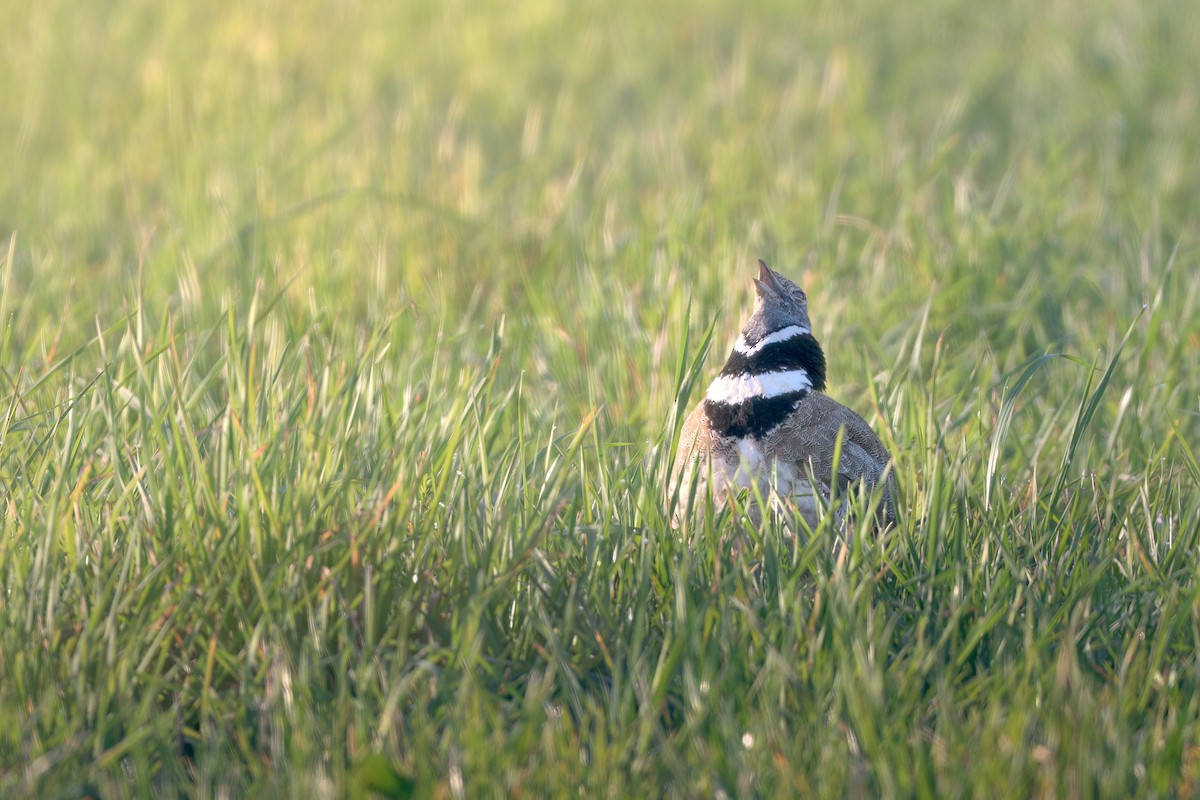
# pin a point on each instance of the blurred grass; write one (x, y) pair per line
(340, 349)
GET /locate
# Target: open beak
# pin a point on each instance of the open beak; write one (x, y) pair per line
(766, 282)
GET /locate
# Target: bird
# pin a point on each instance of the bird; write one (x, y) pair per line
(766, 426)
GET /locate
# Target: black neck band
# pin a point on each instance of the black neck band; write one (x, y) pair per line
(798, 352)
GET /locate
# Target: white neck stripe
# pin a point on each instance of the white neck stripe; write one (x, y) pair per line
(781, 335)
(732, 390)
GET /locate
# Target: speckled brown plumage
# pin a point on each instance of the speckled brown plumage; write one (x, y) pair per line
(806, 438)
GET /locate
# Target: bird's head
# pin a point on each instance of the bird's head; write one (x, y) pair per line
(779, 303)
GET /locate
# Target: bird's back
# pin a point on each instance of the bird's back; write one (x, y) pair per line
(802, 446)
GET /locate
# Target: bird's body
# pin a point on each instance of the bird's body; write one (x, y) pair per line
(767, 426)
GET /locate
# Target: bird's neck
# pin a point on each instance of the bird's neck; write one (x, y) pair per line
(763, 380)
(784, 350)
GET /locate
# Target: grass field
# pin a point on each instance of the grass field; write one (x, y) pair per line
(343, 345)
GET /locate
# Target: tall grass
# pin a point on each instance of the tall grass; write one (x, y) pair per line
(343, 349)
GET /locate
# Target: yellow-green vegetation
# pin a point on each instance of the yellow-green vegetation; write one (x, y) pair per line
(343, 344)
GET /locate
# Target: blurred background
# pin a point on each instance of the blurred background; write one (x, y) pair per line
(599, 162)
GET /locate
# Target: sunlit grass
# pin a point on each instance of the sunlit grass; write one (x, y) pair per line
(343, 348)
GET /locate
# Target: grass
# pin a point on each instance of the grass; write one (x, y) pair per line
(343, 346)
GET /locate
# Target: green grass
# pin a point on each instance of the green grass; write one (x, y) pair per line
(342, 347)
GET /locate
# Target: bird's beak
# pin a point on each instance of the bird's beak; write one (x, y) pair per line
(766, 282)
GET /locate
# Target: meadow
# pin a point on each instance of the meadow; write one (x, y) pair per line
(343, 346)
